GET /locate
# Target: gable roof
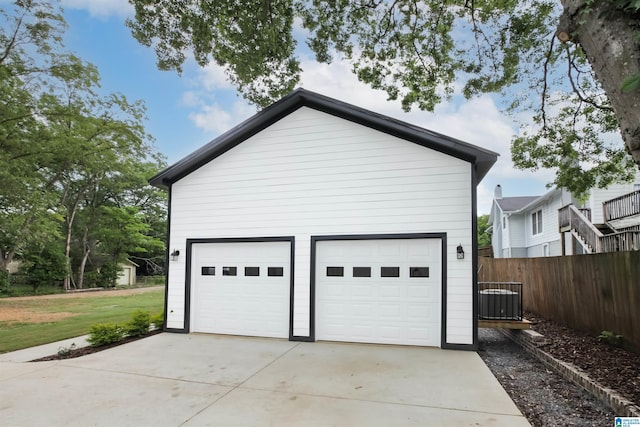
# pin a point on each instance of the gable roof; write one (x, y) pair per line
(482, 158)
(512, 204)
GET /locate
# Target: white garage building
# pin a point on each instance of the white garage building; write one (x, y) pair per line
(319, 220)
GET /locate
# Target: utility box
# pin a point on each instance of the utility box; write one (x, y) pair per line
(499, 304)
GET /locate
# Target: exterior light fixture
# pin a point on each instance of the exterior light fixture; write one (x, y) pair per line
(175, 254)
(460, 252)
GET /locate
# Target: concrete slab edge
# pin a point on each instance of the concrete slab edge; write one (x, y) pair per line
(531, 342)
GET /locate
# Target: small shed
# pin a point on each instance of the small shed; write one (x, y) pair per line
(319, 220)
(127, 273)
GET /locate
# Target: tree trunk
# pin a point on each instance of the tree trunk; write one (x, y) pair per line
(86, 250)
(607, 38)
(5, 259)
(67, 248)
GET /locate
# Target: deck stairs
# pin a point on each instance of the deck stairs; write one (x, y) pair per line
(620, 231)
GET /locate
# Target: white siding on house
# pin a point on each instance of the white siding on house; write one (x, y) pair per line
(554, 248)
(497, 232)
(516, 231)
(597, 196)
(315, 174)
(550, 231)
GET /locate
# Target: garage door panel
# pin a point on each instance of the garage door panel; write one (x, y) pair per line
(395, 290)
(376, 309)
(361, 290)
(241, 304)
(393, 311)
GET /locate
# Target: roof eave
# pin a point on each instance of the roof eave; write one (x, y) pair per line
(482, 158)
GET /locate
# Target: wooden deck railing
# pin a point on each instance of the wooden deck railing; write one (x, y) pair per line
(571, 218)
(564, 217)
(621, 242)
(621, 207)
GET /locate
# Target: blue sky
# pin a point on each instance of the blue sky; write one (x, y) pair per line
(186, 111)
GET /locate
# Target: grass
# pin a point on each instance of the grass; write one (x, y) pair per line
(20, 289)
(84, 311)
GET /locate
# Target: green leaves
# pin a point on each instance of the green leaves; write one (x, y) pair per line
(484, 235)
(71, 161)
(418, 52)
(252, 40)
(580, 146)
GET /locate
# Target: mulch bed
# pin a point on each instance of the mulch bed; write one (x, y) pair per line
(612, 367)
(83, 351)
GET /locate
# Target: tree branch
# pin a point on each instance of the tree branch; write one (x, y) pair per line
(544, 82)
(576, 90)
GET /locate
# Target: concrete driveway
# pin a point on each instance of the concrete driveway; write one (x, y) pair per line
(209, 380)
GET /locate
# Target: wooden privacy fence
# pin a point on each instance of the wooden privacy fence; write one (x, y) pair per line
(591, 293)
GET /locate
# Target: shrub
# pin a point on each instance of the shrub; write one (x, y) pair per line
(611, 338)
(158, 320)
(108, 274)
(105, 333)
(65, 352)
(139, 324)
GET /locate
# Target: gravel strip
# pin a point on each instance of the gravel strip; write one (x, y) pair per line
(542, 395)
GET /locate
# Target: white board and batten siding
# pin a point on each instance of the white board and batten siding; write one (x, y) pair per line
(314, 174)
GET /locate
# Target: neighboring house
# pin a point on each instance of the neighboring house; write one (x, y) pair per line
(318, 220)
(127, 273)
(526, 227)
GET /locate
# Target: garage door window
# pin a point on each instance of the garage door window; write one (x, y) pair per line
(419, 272)
(275, 271)
(335, 271)
(208, 271)
(361, 271)
(252, 271)
(389, 271)
(229, 271)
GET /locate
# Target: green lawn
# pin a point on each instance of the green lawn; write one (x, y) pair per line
(82, 312)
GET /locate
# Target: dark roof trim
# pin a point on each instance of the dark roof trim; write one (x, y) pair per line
(482, 158)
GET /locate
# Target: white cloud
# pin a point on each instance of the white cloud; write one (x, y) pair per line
(216, 120)
(190, 99)
(101, 8)
(213, 77)
(485, 198)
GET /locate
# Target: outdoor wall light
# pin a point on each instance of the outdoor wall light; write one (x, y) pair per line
(460, 251)
(175, 254)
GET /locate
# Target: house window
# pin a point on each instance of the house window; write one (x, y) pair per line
(418, 271)
(361, 271)
(208, 271)
(252, 271)
(536, 222)
(335, 271)
(229, 271)
(275, 271)
(389, 271)
(504, 222)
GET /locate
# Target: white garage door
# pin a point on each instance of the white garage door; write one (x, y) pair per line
(241, 288)
(379, 291)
